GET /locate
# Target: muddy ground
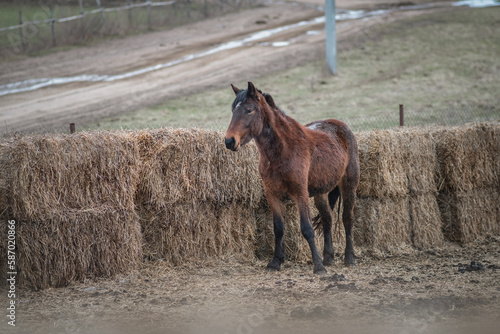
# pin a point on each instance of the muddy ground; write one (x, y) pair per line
(52, 108)
(433, 291)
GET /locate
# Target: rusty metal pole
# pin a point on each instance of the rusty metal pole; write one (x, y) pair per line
(71, 127)
(401, 115)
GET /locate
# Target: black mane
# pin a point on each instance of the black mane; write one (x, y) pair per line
(242, 97)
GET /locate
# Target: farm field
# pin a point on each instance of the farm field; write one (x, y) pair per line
(371, 80)
(413, 292)
(379, 68)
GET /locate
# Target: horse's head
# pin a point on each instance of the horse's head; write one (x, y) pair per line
(247, 121)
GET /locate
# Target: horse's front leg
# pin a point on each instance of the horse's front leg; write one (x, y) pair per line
(277, 208)
(308, 232)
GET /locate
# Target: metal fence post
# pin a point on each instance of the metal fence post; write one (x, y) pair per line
(331, 37)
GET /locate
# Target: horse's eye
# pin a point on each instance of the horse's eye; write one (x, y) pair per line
(249, 111)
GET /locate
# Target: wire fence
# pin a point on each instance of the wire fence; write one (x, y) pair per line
(453, 116)
(49, 23)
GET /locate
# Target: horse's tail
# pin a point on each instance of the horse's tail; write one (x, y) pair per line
(333, 197)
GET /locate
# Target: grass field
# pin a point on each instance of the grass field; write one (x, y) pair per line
(444, 67)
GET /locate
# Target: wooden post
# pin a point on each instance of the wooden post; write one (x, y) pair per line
(188, 8)
(71, 127)
(102, 10)
(129, 15)
(52, 28)
(331, 37)
(21, 30)
(80, 2)
(401, 115)
(149, 15)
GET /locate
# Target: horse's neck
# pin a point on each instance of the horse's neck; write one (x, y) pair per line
(272, 139)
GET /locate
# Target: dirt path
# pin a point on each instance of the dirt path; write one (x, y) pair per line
(413, 292)
(52, 108)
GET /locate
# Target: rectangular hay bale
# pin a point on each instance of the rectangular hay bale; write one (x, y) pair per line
(80, 244)
(396, 162)
(426, 224)
(198, 232)
(469, 157)
(382, 225)
(181, 166)
(470, 215)
(72, 197)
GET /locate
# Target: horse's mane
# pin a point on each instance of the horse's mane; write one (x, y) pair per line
(242, 97)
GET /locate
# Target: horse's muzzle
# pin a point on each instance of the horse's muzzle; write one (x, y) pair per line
(230, 143)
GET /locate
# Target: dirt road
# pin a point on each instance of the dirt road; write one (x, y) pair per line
(55, 106)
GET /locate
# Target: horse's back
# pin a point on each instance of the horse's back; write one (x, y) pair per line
(341, 133)
(338, 130)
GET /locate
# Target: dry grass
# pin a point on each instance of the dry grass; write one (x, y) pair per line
(52, 174)
(468, 178)
(382, 224)
(196, 199)
(469, 216)
(426, 226)
(181, 165)
(396, 162)
(192, 232)
(72, 197)
(468, 156)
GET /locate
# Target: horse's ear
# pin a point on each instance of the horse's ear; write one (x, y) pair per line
(270, 101)
(235, 89)
(252, 91)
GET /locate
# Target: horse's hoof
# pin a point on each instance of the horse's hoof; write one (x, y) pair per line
(272, 270)
(349, 262)
(320, 271)
(273, 266)
(328, 261)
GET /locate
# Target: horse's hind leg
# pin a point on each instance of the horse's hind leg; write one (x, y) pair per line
(302, 202)
(321, 202)
(348, 191)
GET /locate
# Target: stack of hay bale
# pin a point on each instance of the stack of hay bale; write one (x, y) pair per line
(195, 198)
(396, 205)
(72, 198)
(91, 204)
(469, 180)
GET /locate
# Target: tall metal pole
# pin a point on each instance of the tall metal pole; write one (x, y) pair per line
(331, 37)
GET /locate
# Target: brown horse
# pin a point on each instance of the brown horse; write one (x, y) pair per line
(296, 162)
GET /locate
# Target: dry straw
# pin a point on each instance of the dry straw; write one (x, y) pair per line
(196, 199)
(472, 215)
(469, 157)
(426, 226)
(81, 200)
(468, 179)
(181, 166)
(72, 197)
(396, 162)
(382, 224)
(192, 232)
